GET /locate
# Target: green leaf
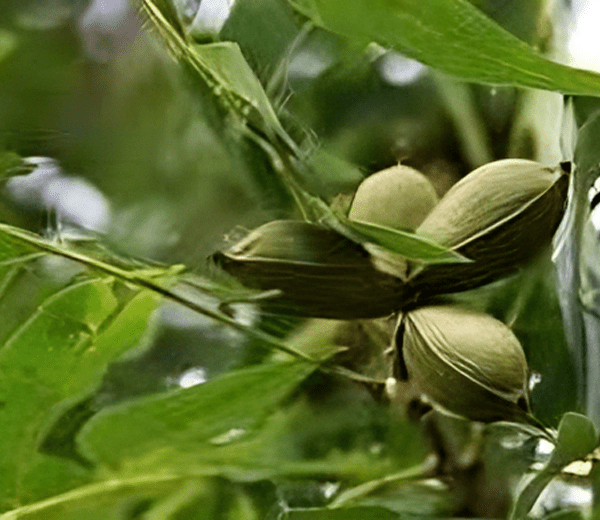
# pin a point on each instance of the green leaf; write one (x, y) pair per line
(189, 495)
(452, 36)
(264, 29)
(235, 80)
(309, 9)
(59, 353)
(221, 411)
(111, 499)
(167, 11)
(408, 245)
(276, 448)
(577, 438)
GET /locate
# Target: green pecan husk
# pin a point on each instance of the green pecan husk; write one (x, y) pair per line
(501, 216)
(318, 272)
(464, 362)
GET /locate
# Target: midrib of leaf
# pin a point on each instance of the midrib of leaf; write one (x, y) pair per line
(21, 259)
(54, 507)
(423, 470)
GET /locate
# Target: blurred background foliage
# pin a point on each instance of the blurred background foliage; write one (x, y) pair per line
(86, 86)
(120, 141)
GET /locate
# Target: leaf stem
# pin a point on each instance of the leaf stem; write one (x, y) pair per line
(425, 469)
(60, 503)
